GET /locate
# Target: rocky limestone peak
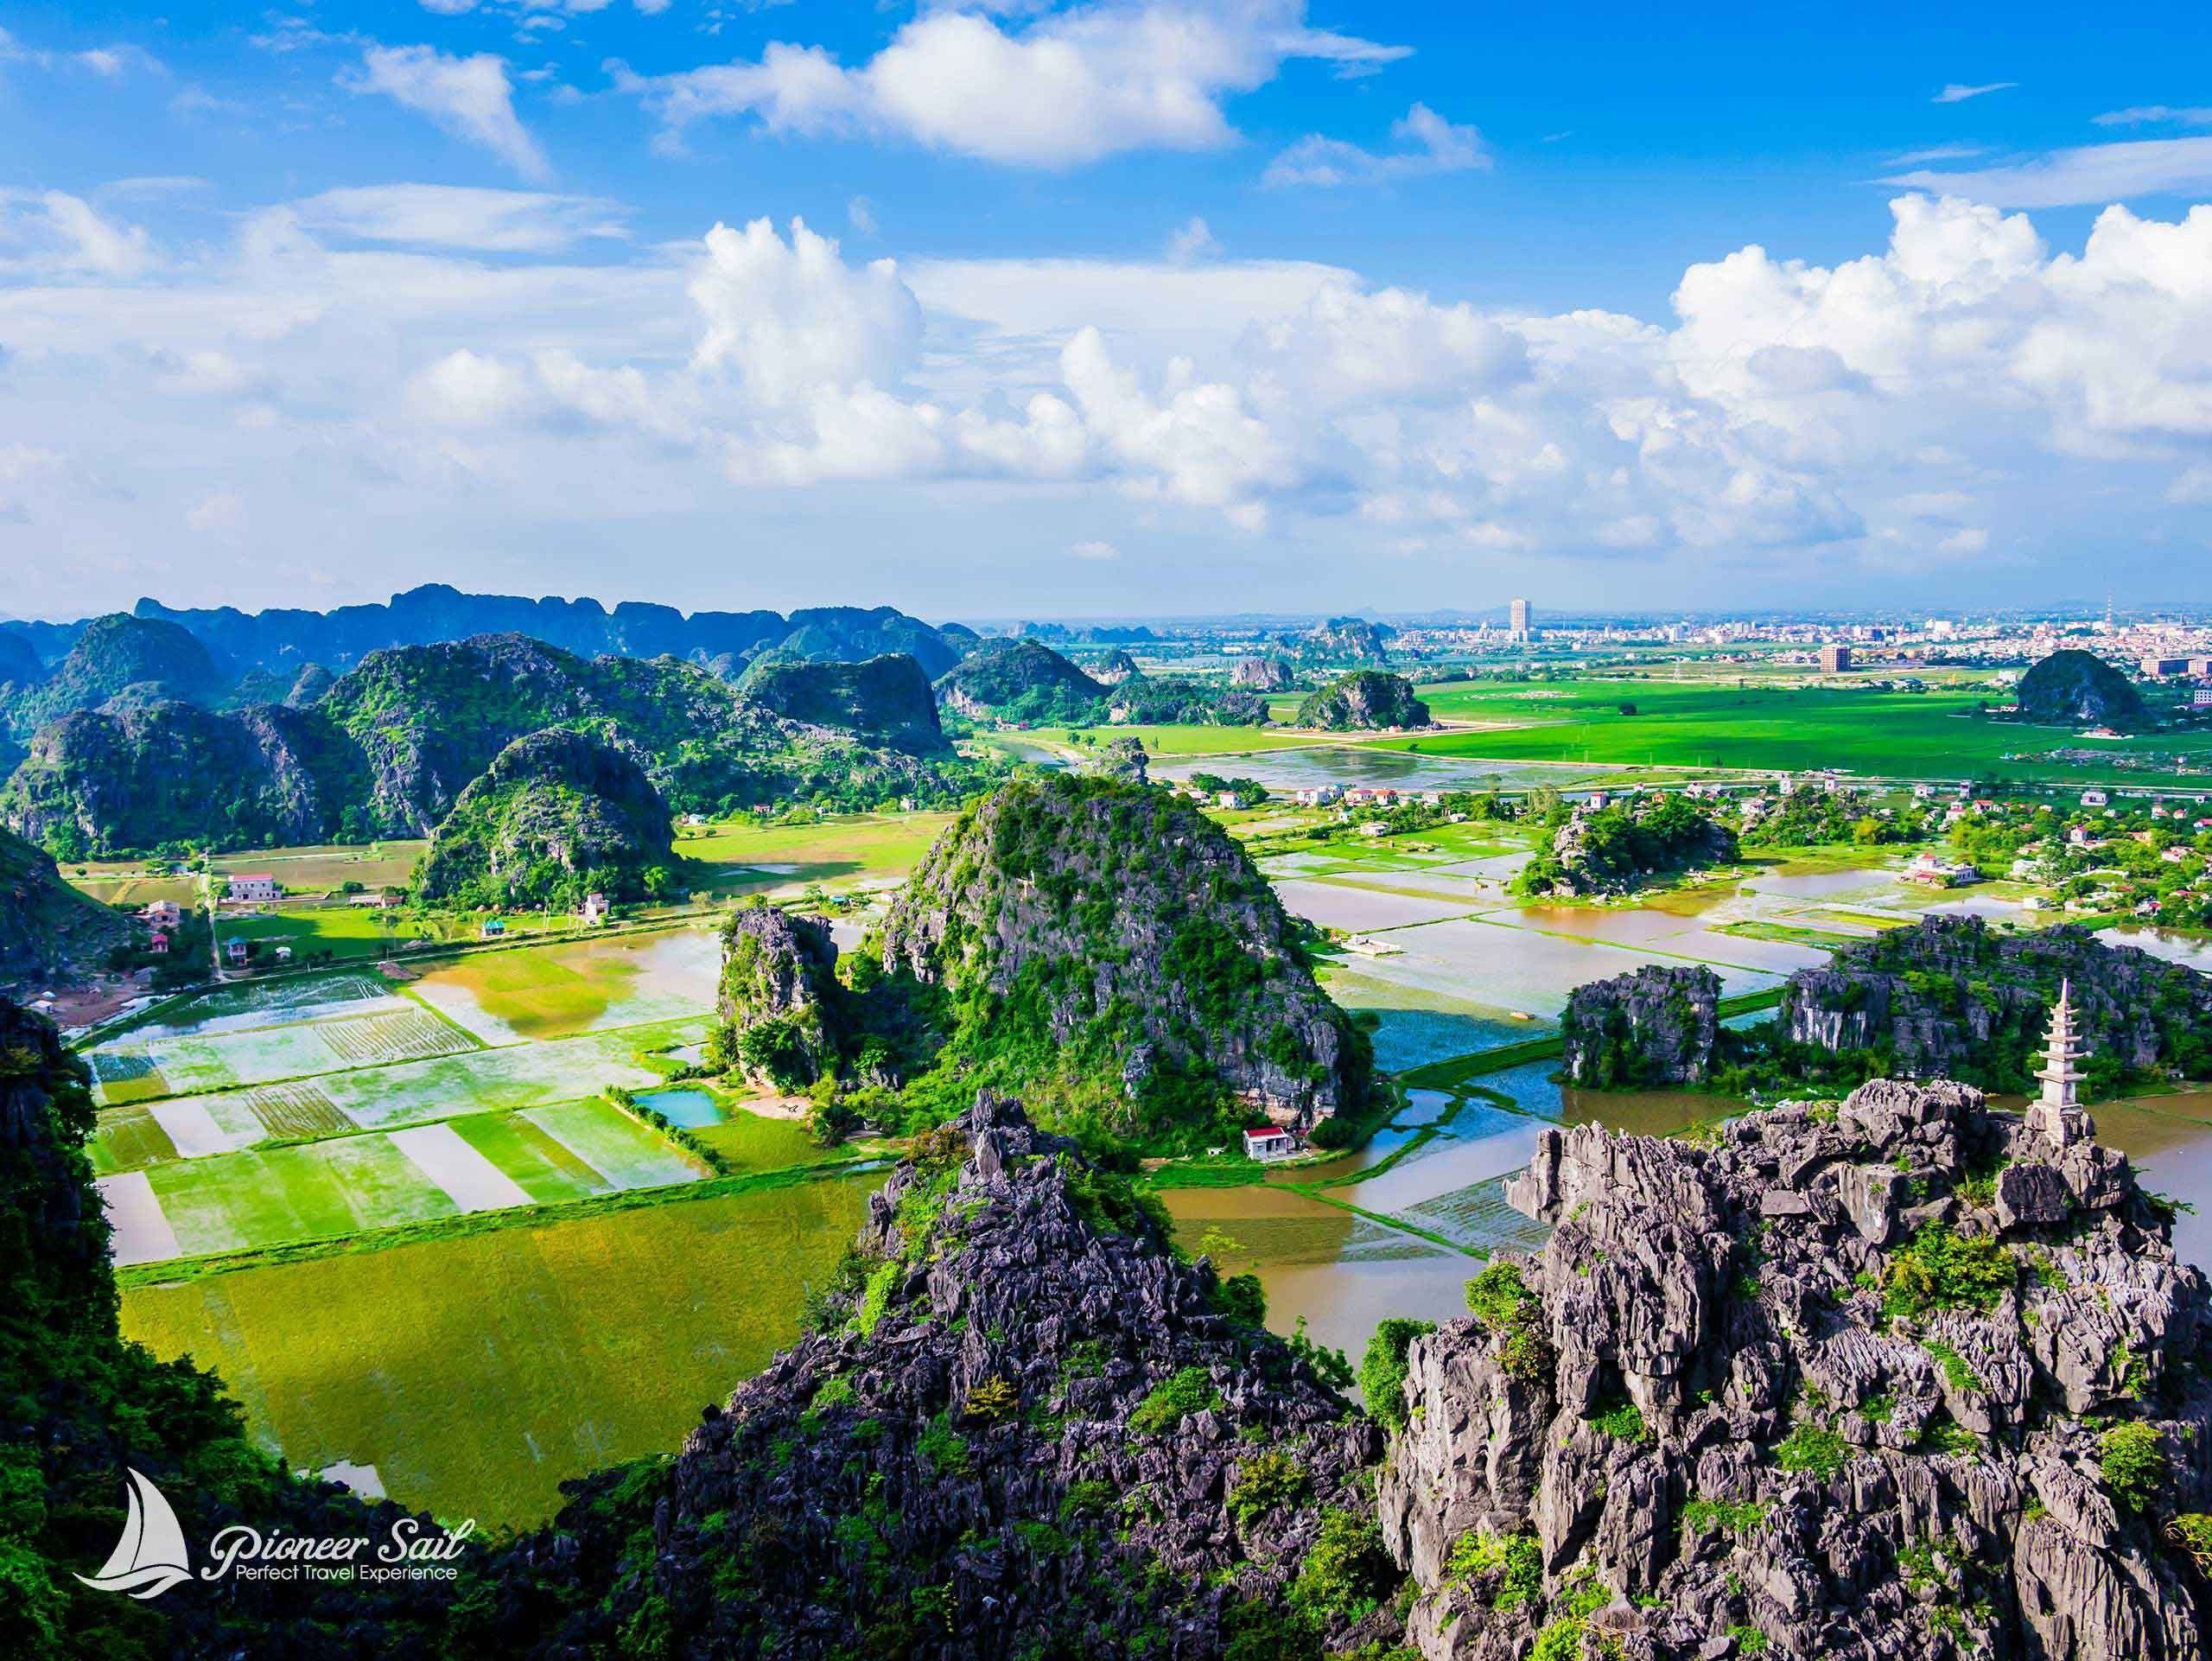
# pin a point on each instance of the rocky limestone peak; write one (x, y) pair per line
(1104, 928)
(1896, 1378)
(1261, 674)
(778, 996)
(1366, 700)
(1020, 1425)
(1653, 1026)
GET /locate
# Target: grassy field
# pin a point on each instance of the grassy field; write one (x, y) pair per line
(477, 1372)
(350, 930)
(1182, 740)
(318, 871)
(848, 848)
(1709, 723)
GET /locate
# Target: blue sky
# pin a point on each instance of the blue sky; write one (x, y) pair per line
(1189, 305)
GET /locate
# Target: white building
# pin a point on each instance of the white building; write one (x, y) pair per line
(595, 909)
(258, 886)
(1270, 1142)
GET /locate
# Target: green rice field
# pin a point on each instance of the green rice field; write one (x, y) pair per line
(843, 849)
(1710, 724)
(476, 1373)
(342, 1184)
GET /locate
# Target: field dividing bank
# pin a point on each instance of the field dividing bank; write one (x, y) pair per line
(1936, 734)
(478, 1364)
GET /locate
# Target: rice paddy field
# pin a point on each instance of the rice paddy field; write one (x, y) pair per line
(472, 1375)
(575, 986)
(1709, 723)
(844, 850)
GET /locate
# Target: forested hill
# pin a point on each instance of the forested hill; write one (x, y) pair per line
(283, 638)
(392, 744)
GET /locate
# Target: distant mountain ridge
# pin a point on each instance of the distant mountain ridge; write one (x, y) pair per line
(392, 745)
(286, 638)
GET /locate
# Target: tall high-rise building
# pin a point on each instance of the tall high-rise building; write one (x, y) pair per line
(1517, 619)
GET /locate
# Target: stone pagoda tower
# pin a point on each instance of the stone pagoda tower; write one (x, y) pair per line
(2058, 1114)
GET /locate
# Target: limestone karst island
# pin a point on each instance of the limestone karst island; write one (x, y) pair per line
(1105, 830)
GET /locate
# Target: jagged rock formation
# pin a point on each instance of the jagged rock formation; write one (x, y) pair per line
(1366, 700)
(779, 998)
(1650, 1028)
(84, 1407)
(1952, 996)
(1114, 668)
(1021, 1427)
(47, 926)
(1261, 674)
(2081, 689)
(1904, 1380)
(1172, 701)
(1123, 759)
(1021, 680)
(264, 776)
(886, 700)
(1344, 640)
(1119, 953)
(281, 638)
(121, 662)
(1613, 850)
(557, 815)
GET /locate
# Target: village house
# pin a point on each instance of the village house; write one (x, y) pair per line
(1270, 1142)
(2095, 798)
(234, 952)
(595, 909)
(491, 928)
(164, 914)
(158, 943)
(259, 887)
(1944, 873)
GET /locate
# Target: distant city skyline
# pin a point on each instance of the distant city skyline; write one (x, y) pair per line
(1129, 309)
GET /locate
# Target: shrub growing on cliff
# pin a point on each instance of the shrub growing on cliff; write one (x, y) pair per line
(1383, 1369)
(1347, 1574)
(1262, 1483)
(2133, 1459)
(1500, 1300)
(1517, 1560)
(1938, 1268)
(1187, 1391)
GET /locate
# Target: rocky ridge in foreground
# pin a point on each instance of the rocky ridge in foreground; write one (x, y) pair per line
(1021, 1426)
(1910, 1378)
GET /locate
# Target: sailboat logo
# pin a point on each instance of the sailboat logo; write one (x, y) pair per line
(150, 1557)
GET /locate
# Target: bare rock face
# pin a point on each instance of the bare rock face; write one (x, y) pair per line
(1649, 1028)
(1903, 1378)
(1261, 674)
(779, 995)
